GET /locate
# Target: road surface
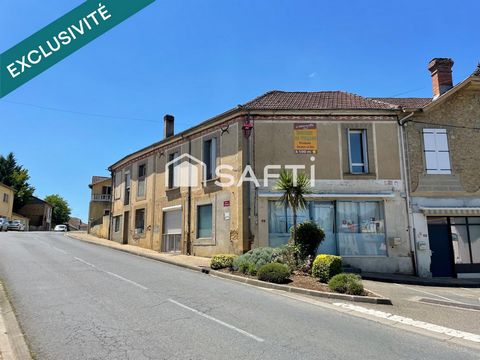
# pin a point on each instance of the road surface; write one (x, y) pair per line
(76, 300)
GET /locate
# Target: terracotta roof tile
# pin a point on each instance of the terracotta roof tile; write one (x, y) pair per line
(321, 100)
(406, 102)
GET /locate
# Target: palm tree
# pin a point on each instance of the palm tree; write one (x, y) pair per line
(294, 191)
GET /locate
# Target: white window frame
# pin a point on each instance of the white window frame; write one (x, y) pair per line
(364, 149)
(435, 168)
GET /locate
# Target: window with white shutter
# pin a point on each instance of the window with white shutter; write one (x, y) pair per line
(437, 155)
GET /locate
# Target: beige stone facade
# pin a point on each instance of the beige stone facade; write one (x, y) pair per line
(100, 206)
(6, 201)
(445, 203)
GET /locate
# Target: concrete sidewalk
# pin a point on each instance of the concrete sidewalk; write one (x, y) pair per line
(190, 262)
(414, 280)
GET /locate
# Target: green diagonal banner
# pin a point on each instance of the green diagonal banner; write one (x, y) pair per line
(61, 38)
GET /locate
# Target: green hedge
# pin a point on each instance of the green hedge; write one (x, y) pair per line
(326, 266)
(222, 261)
(346, 284)
(274, 272)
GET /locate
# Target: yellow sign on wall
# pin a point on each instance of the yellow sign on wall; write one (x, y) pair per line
(305, 138)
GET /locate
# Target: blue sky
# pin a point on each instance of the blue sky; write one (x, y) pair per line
(196, 59)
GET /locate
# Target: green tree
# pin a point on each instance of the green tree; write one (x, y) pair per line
(61, 211)
(294, 191)
(14, 175)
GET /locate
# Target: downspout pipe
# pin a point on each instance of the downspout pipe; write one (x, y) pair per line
(406, 175)
(111, 205)
(189, 250)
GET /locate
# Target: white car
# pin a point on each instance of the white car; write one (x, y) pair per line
(3, 224)
(16, 225)
(60, 228)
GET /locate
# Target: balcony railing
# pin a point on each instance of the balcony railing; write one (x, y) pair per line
(101, 197)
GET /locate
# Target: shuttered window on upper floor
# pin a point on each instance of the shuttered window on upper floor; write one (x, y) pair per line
(437, 154)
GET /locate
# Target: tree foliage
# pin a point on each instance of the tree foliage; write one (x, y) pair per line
(14, 175)
(294, 191)
(61, 211)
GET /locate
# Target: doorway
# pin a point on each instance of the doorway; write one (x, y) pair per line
(441, 247)
(126, 220)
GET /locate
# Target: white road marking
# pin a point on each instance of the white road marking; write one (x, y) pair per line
(59, 250)
(83, 261)
(428, 293)
(243, 332)
(415, 323)
(126, 280)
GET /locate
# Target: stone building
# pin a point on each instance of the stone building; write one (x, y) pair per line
(442, 142)
(6, 201)
(39, 213)
(211, 188)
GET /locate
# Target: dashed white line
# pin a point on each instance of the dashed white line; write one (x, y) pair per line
(83, 261)
(243, 332)
(411, 322)
(126, 280)
(59, 250)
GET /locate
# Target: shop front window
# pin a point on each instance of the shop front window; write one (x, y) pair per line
(361, 228)
(352, 228)
(466, 239)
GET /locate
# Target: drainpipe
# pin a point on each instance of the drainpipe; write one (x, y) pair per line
(406, 176)
(111, 206)
(153, 198)
(189, 250)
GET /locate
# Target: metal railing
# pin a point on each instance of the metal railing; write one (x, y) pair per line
(101, 197)
(171, 243)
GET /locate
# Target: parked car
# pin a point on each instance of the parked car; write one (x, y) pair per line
(3, 224)
(16, 225)
(60, 228)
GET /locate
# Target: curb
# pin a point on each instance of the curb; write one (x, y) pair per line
(450, 303)
(258, 283)
(362, 299)
(17, 348)
(147, 256)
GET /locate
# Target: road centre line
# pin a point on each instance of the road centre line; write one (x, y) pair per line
(411, 322)
(111, 274)
(59, 250)
(243, 332)
(126, 280)
(84, 262)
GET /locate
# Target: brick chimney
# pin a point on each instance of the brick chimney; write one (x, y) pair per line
(442, 81)
(168, 126)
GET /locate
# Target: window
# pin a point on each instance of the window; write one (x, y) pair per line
(126, 201)
(139, 221)
(142, 172)
(5, 197)
(357, 151)
(116, 223)
(437, 155)
(106, 190)
(118, 180)
(466, 239)
(361, 228)
(106, 212)
(172, 175)
(204, 221)
(210, 157)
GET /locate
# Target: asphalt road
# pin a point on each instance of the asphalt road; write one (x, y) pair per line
(80, 301)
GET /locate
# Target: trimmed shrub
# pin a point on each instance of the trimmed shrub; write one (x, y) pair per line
(274, 272)
(222, 261)
(309, 237)
(287, 255)
(346, 284)
(326, 266)
(252, 261)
